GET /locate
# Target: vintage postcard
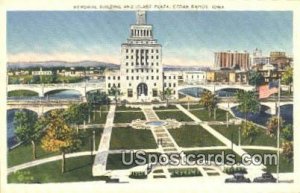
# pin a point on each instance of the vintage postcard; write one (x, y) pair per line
(134, 96)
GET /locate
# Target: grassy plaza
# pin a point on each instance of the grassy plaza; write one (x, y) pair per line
(194, 136)
(125, 108)
(178, 115)
(77, 169)
(204, 115)
(232, 133)
(129, 138)
(127, 117)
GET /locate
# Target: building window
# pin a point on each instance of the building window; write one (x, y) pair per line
(118, 77)
(142, 70)
(156, 51)
(129, 93)
(157, 57)
(152, 50)
(152, 64)
(151, 57)
(165, 84)
(157, 77)
(132, 70)
(127, 77)
(152, 77)
(147, 77)
(132, 78)
(174, 84)
(119, 85)
(109, 85)
(170, 85)
(126, 63)
(170, 77)
(131, 50)
(156, 63)
(108, 77)
(152, 70)
(131, 63)
(174, 77)
(137, 77)
(126, 50)
(129, 84)
(127, 57)
(154, 93)
(157, 70)
(165, 77)
(131, 57)
(127, 70)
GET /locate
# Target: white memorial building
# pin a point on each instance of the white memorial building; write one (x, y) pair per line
(141, 77)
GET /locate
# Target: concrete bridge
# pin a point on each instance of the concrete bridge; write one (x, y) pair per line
(213, 87)
(43, 89)
(272, 106)
(40, 107)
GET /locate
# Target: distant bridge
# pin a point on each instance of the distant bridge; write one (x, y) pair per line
(43, 89)
(213, 87)
(40, 107)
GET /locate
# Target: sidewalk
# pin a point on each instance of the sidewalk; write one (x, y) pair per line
(99, 167)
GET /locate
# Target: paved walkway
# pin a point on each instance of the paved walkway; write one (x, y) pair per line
(99, 167)
(252, 170)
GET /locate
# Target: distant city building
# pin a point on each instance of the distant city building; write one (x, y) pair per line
(194, 76)
(258, 60)
(280, 60)
(227, 76)
(232, 60)
(41, 72)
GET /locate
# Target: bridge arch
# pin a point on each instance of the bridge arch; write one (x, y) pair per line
(57, 90)
(22, 93)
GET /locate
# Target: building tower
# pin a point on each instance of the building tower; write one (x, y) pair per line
(141, 63)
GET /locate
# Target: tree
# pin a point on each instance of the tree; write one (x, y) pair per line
(114, 91)
(249, 130)
(272, 125)
(287, 132)
(60, 136)
(97, 98)
(77, 113)
(209, 101)
(255, 79)
(167, 93)
(248, 103)
(287, 78)
(26, 130)
(288, 150)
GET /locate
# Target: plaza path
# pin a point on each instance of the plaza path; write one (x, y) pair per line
(99, 167)
(252, 170)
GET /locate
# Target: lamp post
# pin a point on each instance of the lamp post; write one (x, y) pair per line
(239, 136)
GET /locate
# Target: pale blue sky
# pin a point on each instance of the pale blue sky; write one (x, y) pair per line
(187, 37)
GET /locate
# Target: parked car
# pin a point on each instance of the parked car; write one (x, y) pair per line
(238, 178)
(265, 178)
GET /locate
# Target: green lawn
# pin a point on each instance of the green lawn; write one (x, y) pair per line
(127, 117)
(96, 118)
(124, 108)
(194, 136)
(78, 169)
(23, 153)
(172, 107)
(233, 131)
(178, 115)
(284, 164)
(129, 138)
(204, 116)
(193, 106)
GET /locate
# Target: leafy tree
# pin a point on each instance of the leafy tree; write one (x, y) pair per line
(97, 98)
(288, 150)
(287, 78)
(255, 78)
(77, 113)
(249, 130)
(167, 93)
(248, 102)
(60, 136)
(209, 101)
(287, 132)
(272, 125)
(114, 91)
(26, 130)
